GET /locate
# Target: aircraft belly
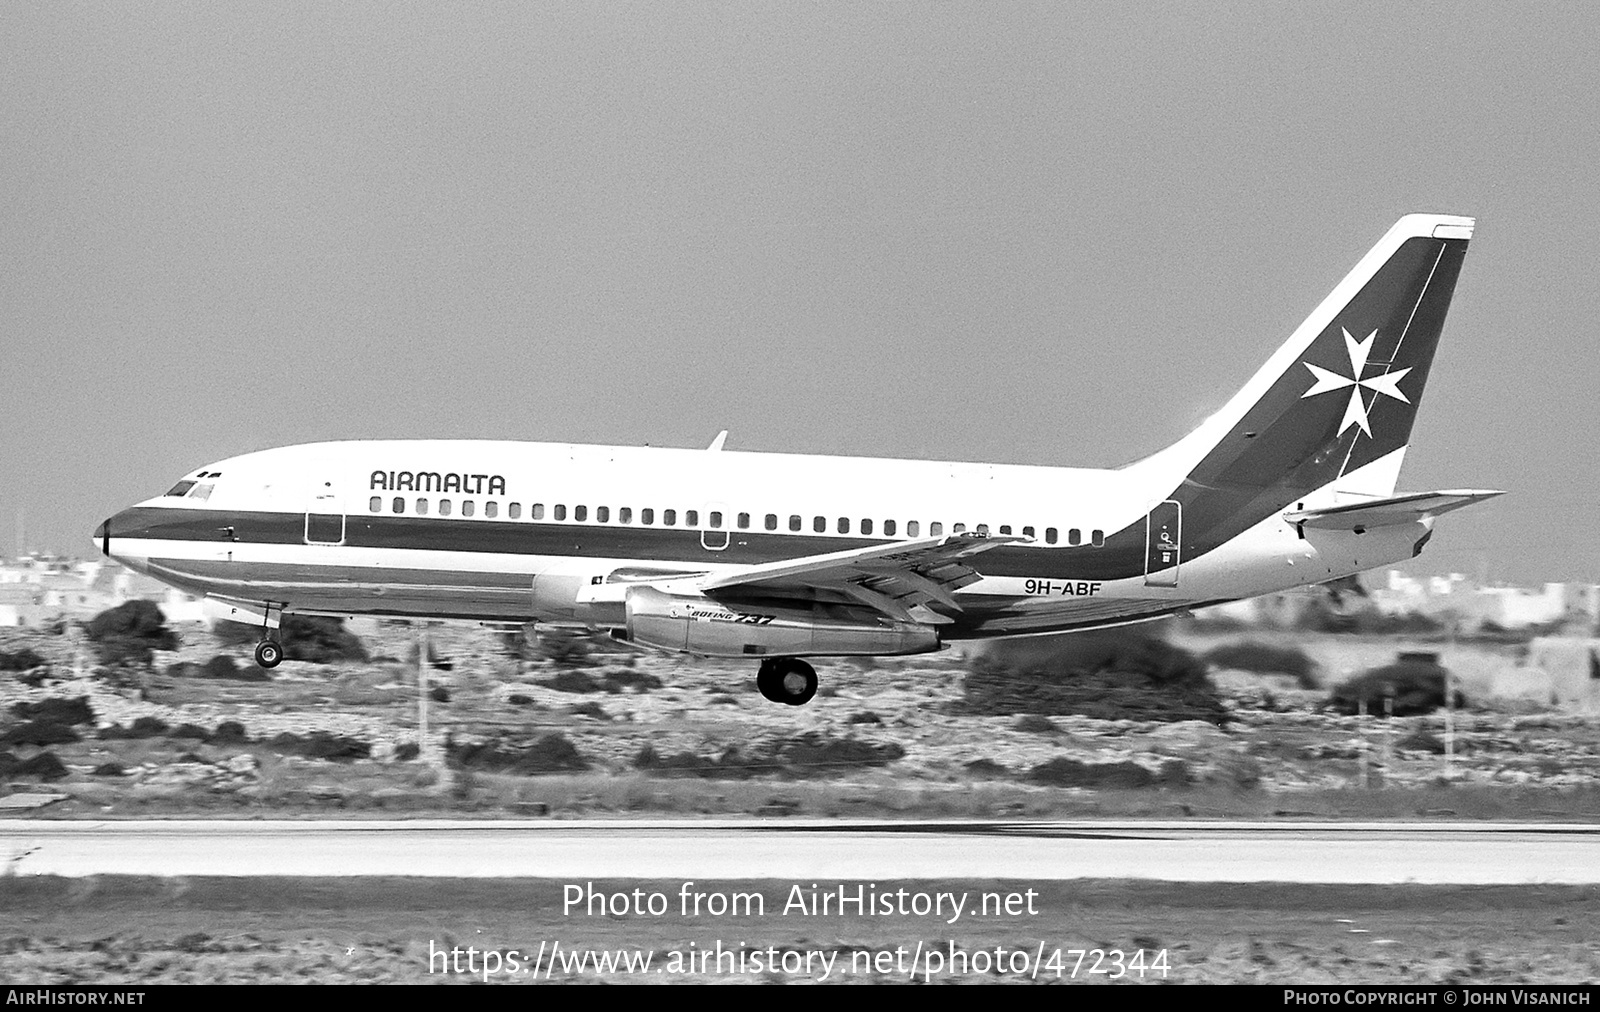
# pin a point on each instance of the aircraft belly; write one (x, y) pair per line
(355, 590)
(1023, 615)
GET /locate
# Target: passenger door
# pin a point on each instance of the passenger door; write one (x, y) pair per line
(324, 510)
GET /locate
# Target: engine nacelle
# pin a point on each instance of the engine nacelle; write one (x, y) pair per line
(699, 625)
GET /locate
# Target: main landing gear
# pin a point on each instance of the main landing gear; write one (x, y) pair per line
(787, 680)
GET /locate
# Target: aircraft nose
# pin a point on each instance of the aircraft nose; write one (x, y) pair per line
(102, 536)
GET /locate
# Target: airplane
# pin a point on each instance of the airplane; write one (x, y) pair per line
(782, 557)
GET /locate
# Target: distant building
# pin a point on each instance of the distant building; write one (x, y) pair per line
(39, 590)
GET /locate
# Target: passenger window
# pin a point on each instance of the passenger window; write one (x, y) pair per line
(1074, 537)
(422, 507)
(716, 519)
(1005, 529)
(647, 516)
(537, 512)
(625, 514)
(491, 509)
(669, 517)
(376, 504)
(744, 521)
(444, 507)
(602, 514)
(772, 521)
(399, 504)
(794, 522)
(561, 511)
(844, 525)
(913, 528)
(983, 529)
(1050, 535)
(691, 518)
(959, 529)
(935, 529)
(866, 527)
(467, 507)
(1027, 532)
(888, 528)
(580, 513)
(1098, 537)
(819, 524)
(514, 511)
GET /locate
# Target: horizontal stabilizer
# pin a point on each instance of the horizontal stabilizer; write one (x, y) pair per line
(1400, 509)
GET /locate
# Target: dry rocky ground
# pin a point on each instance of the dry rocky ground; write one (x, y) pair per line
(624, 733)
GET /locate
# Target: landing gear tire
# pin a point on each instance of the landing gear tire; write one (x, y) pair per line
(269, 653)
(787, 680)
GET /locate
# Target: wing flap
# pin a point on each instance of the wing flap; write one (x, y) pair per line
(1400, 509)
(895, 579)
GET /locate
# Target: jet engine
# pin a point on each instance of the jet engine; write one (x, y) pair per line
(702, 626)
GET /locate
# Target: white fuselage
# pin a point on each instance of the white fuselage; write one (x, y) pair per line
(523, 531)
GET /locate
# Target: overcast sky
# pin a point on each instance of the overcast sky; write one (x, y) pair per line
(1052, 234)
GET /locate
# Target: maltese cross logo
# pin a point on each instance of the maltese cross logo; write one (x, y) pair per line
(1387, 384)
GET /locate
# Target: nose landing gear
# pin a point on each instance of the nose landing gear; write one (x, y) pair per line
(787, 680)
(269, 653)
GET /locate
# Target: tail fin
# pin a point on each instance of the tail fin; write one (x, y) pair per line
(1340, 395)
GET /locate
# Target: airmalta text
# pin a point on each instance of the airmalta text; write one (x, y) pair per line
(434, 481)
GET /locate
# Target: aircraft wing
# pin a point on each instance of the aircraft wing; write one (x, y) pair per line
(893, 578)
(1400, 509)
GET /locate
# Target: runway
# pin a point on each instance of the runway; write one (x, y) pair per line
(1297, 852)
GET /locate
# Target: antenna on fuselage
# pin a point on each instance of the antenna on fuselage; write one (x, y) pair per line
(716, 444)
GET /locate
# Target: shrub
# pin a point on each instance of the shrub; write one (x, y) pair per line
(987, 768)
(1417, 686)
(57, 711)
(809, 754)
(1063, 772)
(551, 754)
(1265, 658)
(23, 660)
(1320, 616)
(322, 745)
(560, 647)
(1110, 675)
(1035, 723)
(573, 681)
(625, 680)
(142, 727)
(229, 732)
(44, 766)
(128, 633)
(39, 733)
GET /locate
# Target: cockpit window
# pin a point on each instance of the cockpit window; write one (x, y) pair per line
(181, 488)
(201, 491)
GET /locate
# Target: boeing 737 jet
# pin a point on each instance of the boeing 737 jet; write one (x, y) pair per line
(780, 557)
